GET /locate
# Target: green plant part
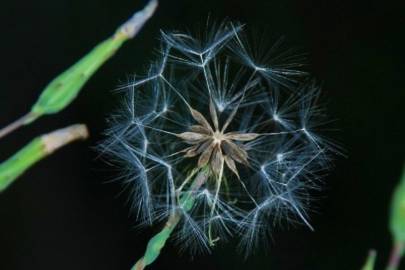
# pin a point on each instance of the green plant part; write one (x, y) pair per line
(61, 91)
(397, 224)
(370, 262)
(36, 150)
(157, 242)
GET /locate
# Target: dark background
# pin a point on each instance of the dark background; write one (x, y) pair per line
(63, 215)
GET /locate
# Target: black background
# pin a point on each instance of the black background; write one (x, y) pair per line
(63, 215)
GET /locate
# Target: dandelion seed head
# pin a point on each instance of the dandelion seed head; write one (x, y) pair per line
(210, 103)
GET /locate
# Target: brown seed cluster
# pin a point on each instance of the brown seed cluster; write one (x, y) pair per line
(213, 145)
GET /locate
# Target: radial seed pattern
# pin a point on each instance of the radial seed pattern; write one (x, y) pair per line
(207, 103)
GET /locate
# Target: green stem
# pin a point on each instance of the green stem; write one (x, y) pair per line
(157, 242)
(36, 150)
(370, 262)
(63, 89)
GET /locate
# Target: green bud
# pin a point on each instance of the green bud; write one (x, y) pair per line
(63, 89)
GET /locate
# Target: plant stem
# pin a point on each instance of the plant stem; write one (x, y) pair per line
(395, 256)
(370, 262)
(63, 89)
(36, 150)
(157, 242)
(16, 124)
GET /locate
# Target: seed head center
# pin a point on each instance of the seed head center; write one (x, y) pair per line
(218, 137)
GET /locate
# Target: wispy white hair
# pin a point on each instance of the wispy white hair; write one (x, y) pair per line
(272, 96)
